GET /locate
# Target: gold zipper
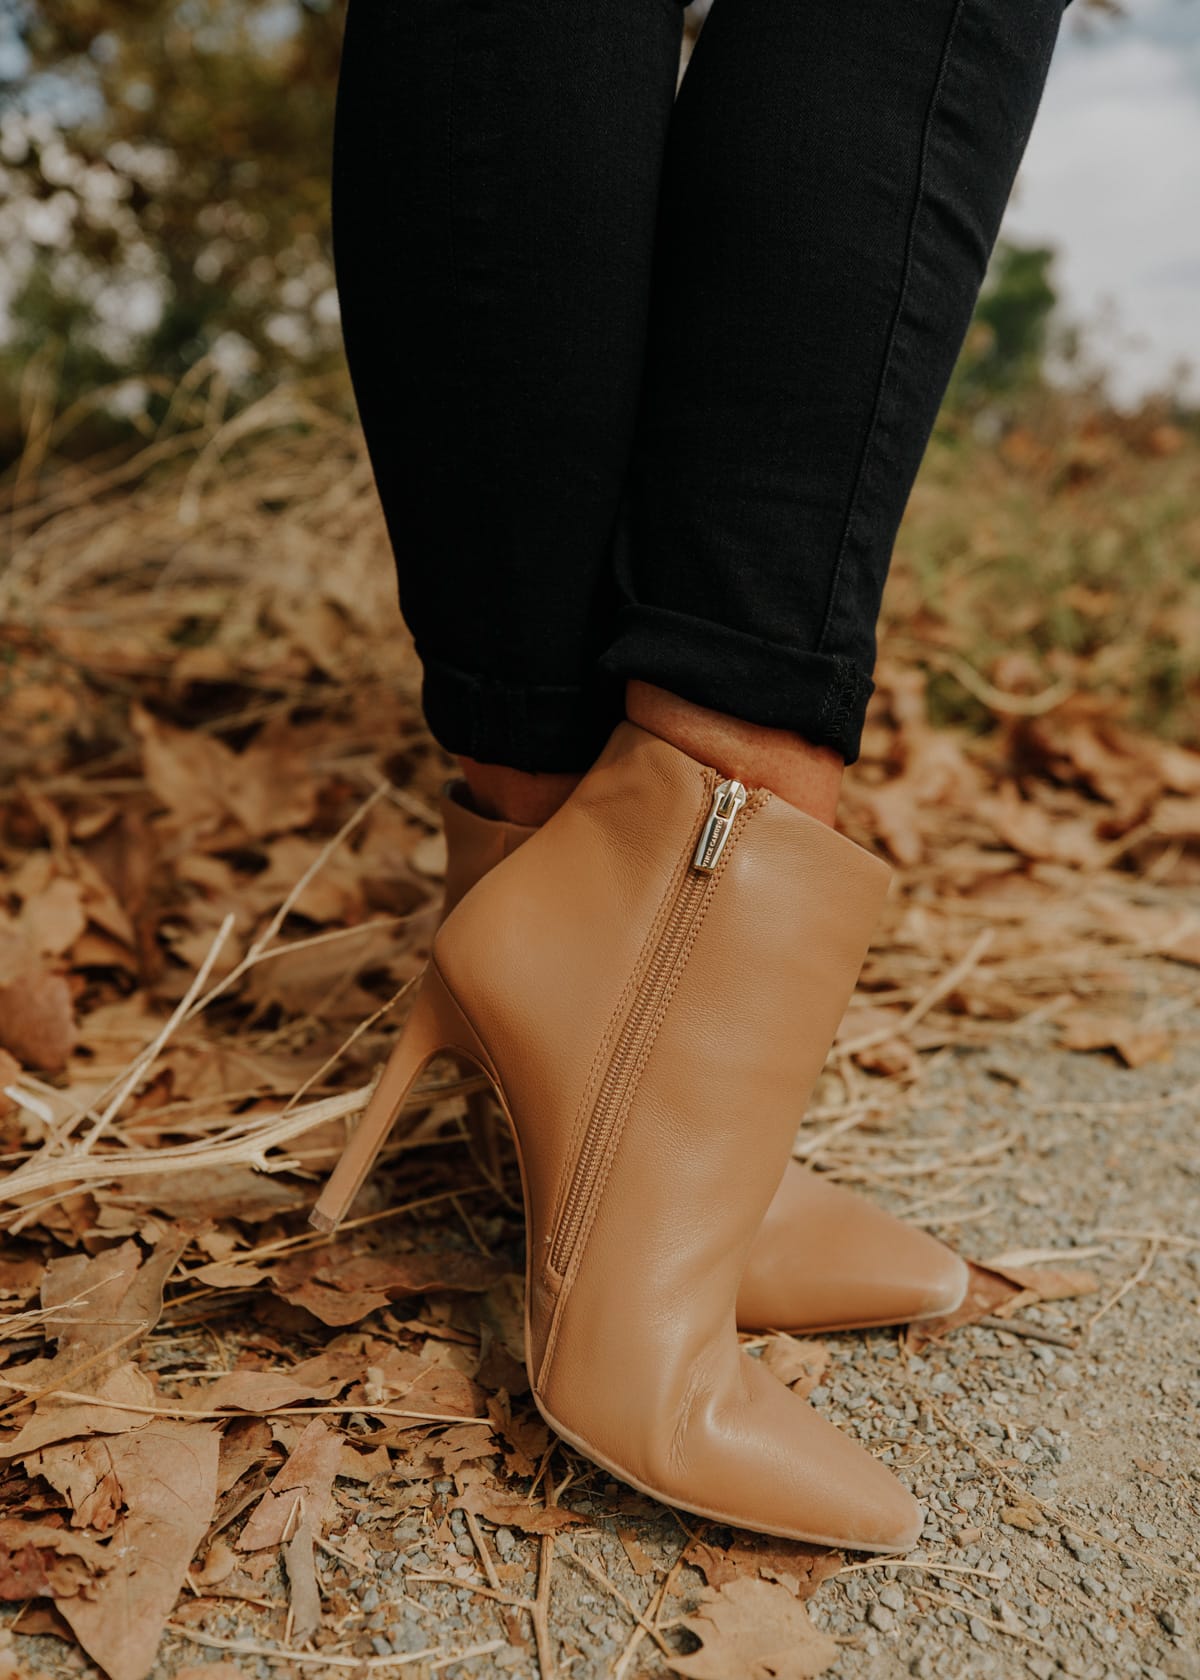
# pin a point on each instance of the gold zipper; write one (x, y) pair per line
(728, 798)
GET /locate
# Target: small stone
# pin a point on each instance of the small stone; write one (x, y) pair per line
(1144, 1527)
(1042, 1667)
(892, 1597)
(505, 1541)
(1171, 1623)
(980, 1632)
(381, 1646)
(370, 1600)
(881, 1617)
(968, 1536)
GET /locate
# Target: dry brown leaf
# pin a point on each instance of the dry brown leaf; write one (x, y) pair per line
(1036, 833)
(37, 1020)
(799, 1567)
(307, 1478)
(1044, 1283)
(19, 1279)
(340, 1288)
(219, 1564)
(1135, 1046)
(320, 980)
(1179, 818)
(303, 1593)
(999, 1290)
(109, 1298)
(643, 1564)
(261, 1391)
(524, 1435)
(514, 1510)
(168, 1473)
(246, 1443)
(54, 917)
(333, 894)
(798, 1364)
(39, 1559)
(359, 1466)
(98, 1307)
(754, 1630)
(205, 786)
(82, 1472)
(54, 1419)
(462, 1444)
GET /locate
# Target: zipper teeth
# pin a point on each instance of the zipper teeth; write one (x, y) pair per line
(620, 1067)
(623, 1060)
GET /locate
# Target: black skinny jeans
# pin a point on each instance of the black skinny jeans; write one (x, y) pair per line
(646, 379)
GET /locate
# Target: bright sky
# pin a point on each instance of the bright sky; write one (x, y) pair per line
(1112, 177)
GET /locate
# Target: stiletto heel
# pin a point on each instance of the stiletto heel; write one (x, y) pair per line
(435, 1024)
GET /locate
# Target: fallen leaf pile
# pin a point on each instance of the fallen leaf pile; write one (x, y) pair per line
(220, 865)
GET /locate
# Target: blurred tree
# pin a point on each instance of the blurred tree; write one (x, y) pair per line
(175, 205)
(1011, 332)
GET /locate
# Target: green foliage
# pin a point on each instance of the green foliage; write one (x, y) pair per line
(210, 148)
(1011, 331)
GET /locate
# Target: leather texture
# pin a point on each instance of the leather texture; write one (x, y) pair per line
(653, 1035)
(824, 1258)
(474, 844)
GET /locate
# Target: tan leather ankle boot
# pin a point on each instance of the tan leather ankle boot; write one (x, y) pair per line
(823, 1259)
(652, 982)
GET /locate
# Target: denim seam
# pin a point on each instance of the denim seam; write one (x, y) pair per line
(868, 444)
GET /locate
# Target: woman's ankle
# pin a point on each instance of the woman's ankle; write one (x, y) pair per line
(526, 797)
(806, 776)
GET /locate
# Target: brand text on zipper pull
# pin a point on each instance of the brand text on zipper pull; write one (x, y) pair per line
(728, 799)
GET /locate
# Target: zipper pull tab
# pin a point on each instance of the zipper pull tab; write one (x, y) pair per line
(728, 799)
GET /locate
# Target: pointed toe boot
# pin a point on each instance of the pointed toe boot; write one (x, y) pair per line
(823, 1259)
(651, 982)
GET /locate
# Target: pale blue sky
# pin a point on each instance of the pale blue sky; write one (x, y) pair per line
(1112, 177)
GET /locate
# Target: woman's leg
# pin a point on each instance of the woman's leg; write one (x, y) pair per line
(835, 175)
(496, 171)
